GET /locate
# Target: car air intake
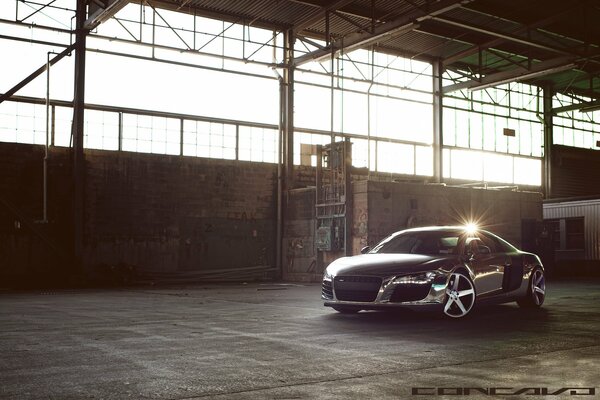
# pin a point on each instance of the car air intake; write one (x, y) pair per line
(410, 292)
(327, 290)
(357, 288)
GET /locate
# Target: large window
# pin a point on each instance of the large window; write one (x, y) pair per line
(22, 123)
(493, 135)
(168, 82)
(157, 81)
(576, 128)
(383, 102)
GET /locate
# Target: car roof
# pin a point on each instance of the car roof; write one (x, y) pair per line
(435, 228)
(447, 228)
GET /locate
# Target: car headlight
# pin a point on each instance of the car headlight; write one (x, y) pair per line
(419, 279)
(327, 276)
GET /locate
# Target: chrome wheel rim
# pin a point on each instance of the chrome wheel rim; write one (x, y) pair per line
(538, 287)
(460, 296)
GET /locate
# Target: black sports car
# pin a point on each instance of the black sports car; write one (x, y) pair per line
(451, 268)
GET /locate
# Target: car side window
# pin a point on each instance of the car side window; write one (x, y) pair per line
(477, 242)
(494, 244)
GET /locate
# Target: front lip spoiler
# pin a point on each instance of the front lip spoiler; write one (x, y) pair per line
(414, 305)
(330, 303)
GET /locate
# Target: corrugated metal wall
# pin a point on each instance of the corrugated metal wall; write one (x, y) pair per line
(590, 210)
(575, 172)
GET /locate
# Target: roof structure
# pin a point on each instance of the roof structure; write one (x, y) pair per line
(542, 42)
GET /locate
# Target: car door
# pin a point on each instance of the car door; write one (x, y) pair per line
(488, 264)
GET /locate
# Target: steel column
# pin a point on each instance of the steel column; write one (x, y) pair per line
(438, 126)
(77, 134)
(280, 177)
(288, 81)
(548, 141)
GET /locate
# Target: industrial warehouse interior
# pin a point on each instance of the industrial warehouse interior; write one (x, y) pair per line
(299, 199)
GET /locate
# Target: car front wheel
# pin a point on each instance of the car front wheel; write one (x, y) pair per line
(460, 296)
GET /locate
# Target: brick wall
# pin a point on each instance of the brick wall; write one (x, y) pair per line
(157, 212)
(171, 213)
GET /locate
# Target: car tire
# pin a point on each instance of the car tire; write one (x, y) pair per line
(460, 296)
(346, 309)
(536, 290)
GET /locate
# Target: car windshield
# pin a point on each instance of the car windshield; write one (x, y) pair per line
(428, 243)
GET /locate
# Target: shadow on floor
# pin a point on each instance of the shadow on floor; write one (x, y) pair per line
(488, 321)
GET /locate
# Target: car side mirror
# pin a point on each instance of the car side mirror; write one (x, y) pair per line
(365, 250)
(484, 250)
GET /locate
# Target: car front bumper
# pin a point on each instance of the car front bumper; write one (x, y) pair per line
(395, 291)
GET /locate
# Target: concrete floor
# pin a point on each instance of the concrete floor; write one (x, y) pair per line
(277, 341)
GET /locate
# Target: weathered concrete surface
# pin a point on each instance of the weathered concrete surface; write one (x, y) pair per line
(159, 213)
(276, 341)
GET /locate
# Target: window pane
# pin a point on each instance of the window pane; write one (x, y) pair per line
(424, 160)
(527, 171)
(498, 168)
(395, 157)
(466, 165)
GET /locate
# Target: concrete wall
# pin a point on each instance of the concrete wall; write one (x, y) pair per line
(157, 212)
(298, 244)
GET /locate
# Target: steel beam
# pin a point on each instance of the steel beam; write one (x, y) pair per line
(38, 10)
(382, 32)
(495, 42)
(98, 15)
(573, 107)
(77, 134)
(7, 95)
(501, 35)
(539, 69)
(318, 15)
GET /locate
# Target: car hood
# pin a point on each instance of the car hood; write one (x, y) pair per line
(388, 264)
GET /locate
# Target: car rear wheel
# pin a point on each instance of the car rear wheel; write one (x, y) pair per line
(536, 293)
(346, 309)
(460, 296)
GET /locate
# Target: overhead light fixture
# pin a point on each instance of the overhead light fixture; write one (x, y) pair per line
(522, 77)
(590, 108)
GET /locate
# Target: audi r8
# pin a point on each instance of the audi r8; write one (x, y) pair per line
(449, 268)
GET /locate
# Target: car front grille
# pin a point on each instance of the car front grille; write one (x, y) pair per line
(327, 290)
(357, 288)
(410, 292)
